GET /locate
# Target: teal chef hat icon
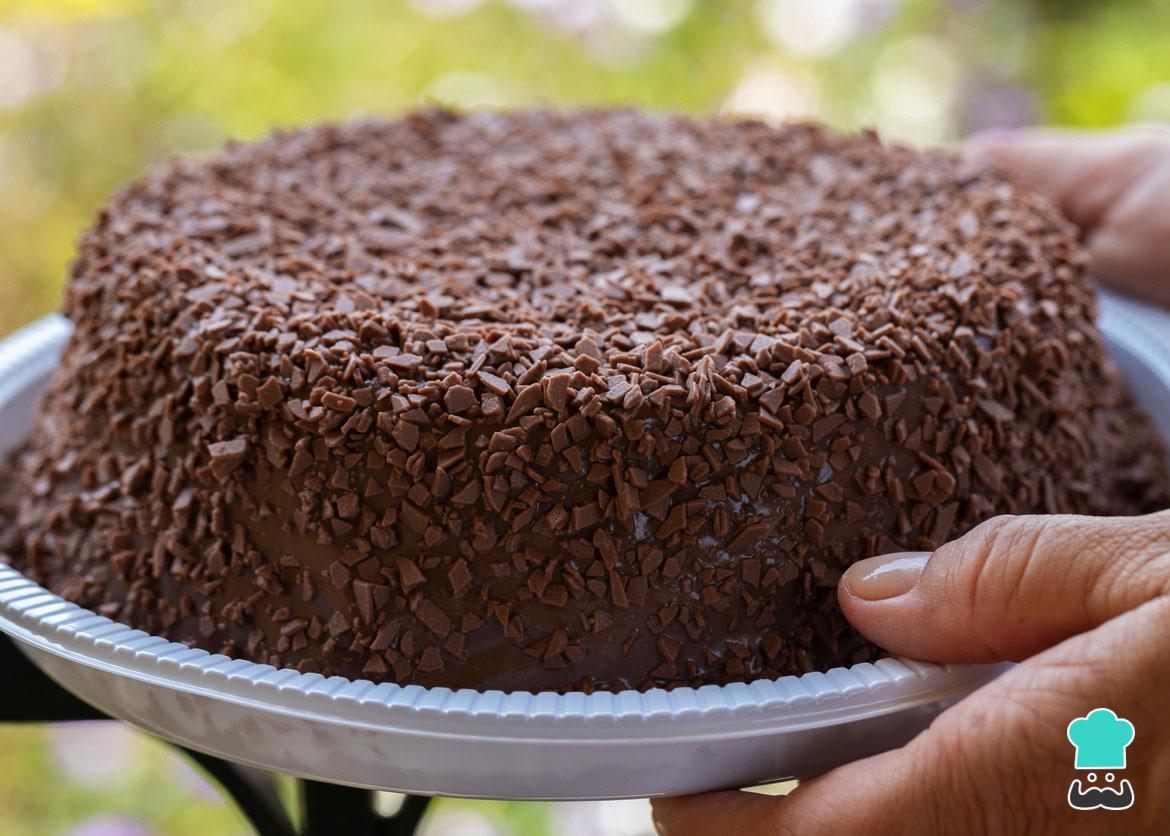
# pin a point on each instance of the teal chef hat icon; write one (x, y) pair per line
(1100, 738)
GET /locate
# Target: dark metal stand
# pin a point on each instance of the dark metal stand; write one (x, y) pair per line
(29, 696)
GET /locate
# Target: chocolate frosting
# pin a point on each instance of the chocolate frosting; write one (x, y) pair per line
(557, 400)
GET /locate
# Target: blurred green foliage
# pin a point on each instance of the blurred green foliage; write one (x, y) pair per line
(142, 786)
(93, 92)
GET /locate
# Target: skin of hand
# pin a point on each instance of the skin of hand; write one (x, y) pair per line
(1082, 602)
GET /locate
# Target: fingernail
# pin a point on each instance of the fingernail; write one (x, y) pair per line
(885, 576)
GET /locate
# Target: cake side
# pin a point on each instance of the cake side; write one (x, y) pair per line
(558, 400)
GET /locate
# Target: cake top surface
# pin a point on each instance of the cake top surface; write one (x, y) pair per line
(644, 242)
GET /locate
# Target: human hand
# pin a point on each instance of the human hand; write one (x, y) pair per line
(1115, 186)
(1082, 602)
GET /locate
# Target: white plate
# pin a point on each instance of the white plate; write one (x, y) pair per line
(492, 744)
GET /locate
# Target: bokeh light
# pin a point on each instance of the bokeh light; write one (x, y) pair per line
(914, 85)
(650, 16)
(805, 28)
(774, 93)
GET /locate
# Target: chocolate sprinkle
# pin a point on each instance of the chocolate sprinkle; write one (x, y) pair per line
(557, 400)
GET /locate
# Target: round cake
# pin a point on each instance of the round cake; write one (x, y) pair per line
(544, 400)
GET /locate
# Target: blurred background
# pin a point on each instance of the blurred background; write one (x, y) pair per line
(93, 92)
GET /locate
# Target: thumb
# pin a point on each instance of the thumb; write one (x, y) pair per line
(1010, 587)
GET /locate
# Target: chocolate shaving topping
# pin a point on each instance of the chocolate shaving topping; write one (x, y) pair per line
(557, 400)
(226, 456)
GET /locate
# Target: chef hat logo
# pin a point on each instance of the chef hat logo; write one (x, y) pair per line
(1100, 738)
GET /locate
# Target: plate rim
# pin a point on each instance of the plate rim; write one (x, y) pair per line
(34, 616)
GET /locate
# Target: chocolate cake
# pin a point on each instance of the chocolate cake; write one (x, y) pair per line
(557, 400)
